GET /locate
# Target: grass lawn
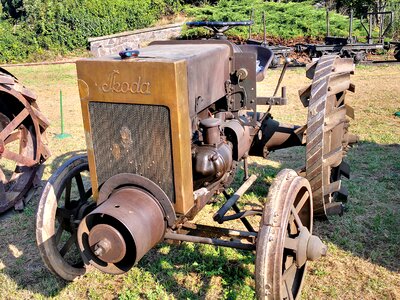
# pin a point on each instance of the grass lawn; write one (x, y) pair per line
(364, 244)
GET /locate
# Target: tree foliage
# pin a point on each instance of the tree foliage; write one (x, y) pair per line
(284, 20)
(62, 26)
(32, 28)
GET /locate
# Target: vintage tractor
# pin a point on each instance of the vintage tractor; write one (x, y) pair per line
(166, 127)
(22, 142)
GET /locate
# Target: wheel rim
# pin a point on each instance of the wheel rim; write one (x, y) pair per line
(66, 199)
(286, 227)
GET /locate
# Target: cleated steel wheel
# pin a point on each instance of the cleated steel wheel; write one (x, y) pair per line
(327, 136)
(284, 241)
(66, 199)
(397, 53)
(22, 128)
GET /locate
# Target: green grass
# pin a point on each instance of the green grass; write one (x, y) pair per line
(363, 244)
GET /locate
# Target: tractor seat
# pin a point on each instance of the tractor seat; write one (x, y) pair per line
(264, 57)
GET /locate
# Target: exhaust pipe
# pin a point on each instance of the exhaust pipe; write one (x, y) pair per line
(274, 136)
(121, 230)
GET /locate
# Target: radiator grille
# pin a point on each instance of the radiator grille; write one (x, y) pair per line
(133, 138)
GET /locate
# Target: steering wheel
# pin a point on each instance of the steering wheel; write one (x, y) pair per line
(218, 28)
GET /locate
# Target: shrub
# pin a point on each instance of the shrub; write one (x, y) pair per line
(284, 20)
(16, 43)
(63, 26)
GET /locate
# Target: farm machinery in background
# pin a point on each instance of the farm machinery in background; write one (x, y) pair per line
(349, 46)
(345, 47)
(167, 127)
(22, 142)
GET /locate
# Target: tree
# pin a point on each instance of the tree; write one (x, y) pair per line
(13, 8)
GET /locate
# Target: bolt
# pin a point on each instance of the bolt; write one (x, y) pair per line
(102, 247)
(98, 250)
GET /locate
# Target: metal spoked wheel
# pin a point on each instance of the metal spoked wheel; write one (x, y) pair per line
(22, 127)
(327, 132)
(66, 199)
(284, 241)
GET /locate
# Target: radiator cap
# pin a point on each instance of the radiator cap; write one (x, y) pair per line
(129, 53)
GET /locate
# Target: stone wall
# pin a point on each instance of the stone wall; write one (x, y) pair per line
(112, 44)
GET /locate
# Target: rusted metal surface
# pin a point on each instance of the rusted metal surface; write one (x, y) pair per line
(327, 130)
(134, 180)
(121, 230)
(219, 215)
(210, 241)
(284, 241)
(22, 141)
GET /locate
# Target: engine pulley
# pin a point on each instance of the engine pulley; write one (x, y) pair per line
(121, 230)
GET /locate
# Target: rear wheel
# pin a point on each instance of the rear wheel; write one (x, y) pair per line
(284, 241)
(397, 53)
(66, 199)
(327, 136)
(22, 127)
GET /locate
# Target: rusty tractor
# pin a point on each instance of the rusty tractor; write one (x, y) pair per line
(22, 147)
(167, 127)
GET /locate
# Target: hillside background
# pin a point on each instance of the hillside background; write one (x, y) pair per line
(36, 30)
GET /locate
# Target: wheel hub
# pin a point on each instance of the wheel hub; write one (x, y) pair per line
(107, 243)
(309, 247)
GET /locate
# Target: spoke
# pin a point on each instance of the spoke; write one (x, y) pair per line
(63, 213)
(3, 178)
(88, 194)
(67, 195)
(13, 124)
(67, 245)
(289, 273)
(81, 188)
(296, 217)
(288, 291)
(18, 158)
(58, 234)
(288, 279)
(12, 137)
(2, 191)
(291, 243)
(302, 201)
(340, 100)
(288, 261)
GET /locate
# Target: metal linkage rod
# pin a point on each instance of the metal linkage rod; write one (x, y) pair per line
(233, 199)
(210, 241)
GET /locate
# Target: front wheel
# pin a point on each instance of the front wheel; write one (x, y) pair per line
(65, 200)
(284, 241)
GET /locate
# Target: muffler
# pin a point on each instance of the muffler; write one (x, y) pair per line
(121, 230)
(274, 135)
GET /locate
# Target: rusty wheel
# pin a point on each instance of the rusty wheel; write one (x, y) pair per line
(397, 53)
(327, 132)
(284, 241)
(21, 148)
(66, 199)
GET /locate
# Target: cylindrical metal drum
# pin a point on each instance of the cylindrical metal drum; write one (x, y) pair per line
(121, 230)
